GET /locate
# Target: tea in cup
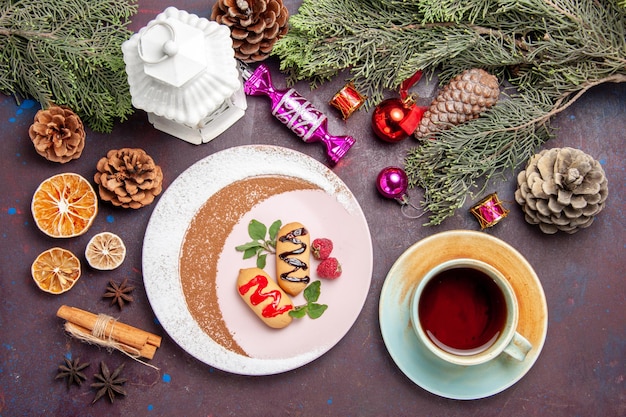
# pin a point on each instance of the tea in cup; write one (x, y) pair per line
(465, 312)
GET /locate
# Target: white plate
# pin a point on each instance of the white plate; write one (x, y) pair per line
(329, 211)
(422, 366)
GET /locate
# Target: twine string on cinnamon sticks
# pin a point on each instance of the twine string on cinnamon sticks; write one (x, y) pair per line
(99, 328)
(106, 331)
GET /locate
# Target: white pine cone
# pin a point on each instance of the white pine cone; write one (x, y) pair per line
(464, 98)
(562, 189)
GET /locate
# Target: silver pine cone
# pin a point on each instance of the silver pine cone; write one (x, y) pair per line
(561, 189)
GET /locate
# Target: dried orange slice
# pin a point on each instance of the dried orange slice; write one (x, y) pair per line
(56, 270)
(105, 251)
(64, 205)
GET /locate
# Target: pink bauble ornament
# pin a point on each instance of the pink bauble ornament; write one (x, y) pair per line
(392, 182)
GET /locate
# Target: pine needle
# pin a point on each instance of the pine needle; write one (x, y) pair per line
(68, 53)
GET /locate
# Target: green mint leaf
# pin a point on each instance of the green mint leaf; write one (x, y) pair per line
(311, 308)
(298, 312)
(274, 228)
(250, 252)
(257, 230)
(260, 246)
(261, 260)
(246, 246)
(312, 292)
(315, 310)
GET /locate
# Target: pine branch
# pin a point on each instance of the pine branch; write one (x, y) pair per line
(450, 167)
(550, 51)
(68, 53)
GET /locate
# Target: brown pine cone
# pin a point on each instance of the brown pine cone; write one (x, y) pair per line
(128, 178)
(255, 25)
(58, 134)
(561, 189)
(463, 99)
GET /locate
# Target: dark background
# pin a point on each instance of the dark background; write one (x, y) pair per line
(580, 372)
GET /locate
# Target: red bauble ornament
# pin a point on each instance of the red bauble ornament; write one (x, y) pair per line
(394, 119)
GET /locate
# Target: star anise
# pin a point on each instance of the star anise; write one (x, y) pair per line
(119, 293)
(72, 372)
(108, 383)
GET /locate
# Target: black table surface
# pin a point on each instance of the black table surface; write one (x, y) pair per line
(581, 370)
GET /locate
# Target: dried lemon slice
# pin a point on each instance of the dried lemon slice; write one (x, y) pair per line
(64, 205)
(105, 251)
(56, 270)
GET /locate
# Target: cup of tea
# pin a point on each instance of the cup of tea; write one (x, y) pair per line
(465, 312)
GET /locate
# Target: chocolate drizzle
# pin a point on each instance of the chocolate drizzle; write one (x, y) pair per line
(295, 262)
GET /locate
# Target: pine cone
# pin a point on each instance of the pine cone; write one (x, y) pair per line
(58, 134)
(561, 189)
(255, 25)
(128, 178)
(463, 99)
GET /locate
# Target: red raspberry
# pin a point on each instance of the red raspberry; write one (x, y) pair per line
(321, 248)
(329, 268)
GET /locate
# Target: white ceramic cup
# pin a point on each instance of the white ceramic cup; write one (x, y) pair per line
(507, 341)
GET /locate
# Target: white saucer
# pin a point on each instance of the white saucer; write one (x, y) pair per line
(420, 365)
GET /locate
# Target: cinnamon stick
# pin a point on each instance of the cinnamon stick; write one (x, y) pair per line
(118, 331)
(147, 351)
